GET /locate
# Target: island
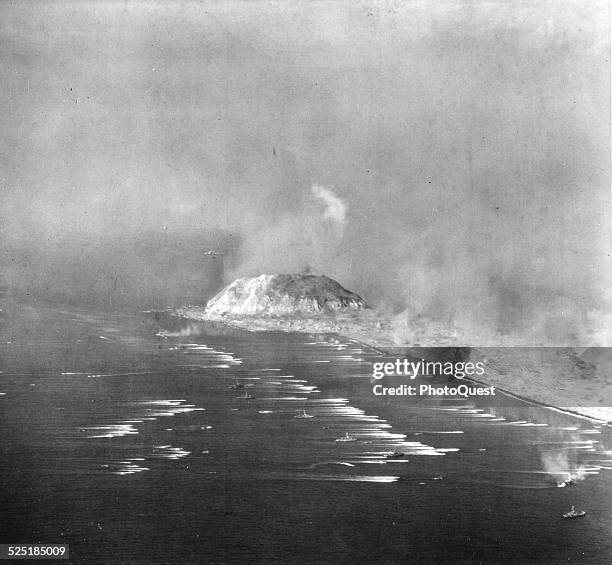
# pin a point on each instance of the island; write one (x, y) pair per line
(574, 379)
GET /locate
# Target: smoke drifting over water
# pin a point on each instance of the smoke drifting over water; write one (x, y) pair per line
(446, 161)
(558, 465)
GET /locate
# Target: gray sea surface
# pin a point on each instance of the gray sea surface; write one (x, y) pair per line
(142, 438)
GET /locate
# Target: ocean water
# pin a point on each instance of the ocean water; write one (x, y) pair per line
(142, 438)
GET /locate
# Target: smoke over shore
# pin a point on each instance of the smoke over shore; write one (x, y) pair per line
(449, 163)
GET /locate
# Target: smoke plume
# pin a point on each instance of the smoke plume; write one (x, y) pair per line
(557, 464)
(335, 209)
(448, 161)
(306, 239)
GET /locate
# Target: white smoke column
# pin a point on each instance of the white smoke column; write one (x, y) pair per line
(558, 464)
(335, 208)
(305, 239)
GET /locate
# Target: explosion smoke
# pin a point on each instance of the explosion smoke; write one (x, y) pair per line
(559, 466)
(467, 145)
(335, 208)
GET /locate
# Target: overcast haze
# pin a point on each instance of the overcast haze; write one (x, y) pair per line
(445, 159)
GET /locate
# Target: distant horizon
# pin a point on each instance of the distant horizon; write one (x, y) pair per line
(448, 158)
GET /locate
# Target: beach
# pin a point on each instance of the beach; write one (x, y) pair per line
(575, 379)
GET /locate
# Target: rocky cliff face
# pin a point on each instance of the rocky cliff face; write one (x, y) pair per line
(283, 295)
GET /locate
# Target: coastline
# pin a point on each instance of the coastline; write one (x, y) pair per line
(557, 377)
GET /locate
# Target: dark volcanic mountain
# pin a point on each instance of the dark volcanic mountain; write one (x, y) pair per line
(283, 295)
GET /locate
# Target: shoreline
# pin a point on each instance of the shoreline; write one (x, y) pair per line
(554, 377)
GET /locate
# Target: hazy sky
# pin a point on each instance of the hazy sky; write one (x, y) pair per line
(468, 141)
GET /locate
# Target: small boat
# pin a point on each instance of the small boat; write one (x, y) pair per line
(570, 481)
(245, 396)
(573, 513)
(303, 416)
(237, 386)
(396, 455)
(347, 437)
